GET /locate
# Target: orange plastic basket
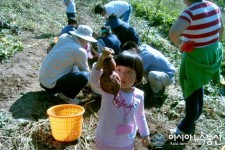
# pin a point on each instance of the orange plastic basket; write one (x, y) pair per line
(223, 148)
(66, 121)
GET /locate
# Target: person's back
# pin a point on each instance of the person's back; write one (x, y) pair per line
(116, 7)
(158, 61)
(113, 42)
(204, 19)
(123, 30)
(127, 33)
(71, 26)
(108, 40)
(159, 72)
(120, 8)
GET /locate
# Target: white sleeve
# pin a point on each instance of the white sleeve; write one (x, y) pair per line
(95, 80)
(100, 46)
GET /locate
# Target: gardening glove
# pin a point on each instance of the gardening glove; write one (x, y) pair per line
(187, 46)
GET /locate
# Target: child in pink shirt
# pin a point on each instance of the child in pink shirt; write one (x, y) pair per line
(122, 115)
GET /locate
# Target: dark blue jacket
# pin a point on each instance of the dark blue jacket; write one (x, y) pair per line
(113, 42)
(66, 29)
(126, 32)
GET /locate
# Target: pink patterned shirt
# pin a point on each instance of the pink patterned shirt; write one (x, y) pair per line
(125, 109)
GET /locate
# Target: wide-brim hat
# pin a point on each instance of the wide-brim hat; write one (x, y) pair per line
(114, 22)
(85, 32)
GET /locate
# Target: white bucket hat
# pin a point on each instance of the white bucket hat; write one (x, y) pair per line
(85, 32)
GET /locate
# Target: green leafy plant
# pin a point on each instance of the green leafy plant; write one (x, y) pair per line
(30, 15)
(162, 16)
(9, 44)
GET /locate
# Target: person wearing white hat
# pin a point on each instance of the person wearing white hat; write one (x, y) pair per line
(57, 75)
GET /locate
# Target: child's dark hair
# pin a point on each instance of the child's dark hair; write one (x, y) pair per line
(129, 45)
(99, 9)
(132, 60)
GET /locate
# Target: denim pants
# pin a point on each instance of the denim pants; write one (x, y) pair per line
(70, 84)
(193, 110)
(158, 80)
(126, 16)
(70, 15)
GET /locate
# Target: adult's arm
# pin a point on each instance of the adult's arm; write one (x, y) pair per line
(176, 30)
(81, 60)
(221, 31)
(100, 46)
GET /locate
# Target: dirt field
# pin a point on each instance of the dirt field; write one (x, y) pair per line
(25, 103)
(22, 96)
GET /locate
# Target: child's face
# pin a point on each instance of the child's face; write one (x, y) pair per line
(127, 76)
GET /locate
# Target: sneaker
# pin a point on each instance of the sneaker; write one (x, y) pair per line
(173, 131)
(68, 100)
(176, 131)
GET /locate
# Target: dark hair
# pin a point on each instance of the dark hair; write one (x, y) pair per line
(196, 1)
(72, 20)
(132, 60)
(106, 30)
(99, 9)
(129, 45)
(112, 16)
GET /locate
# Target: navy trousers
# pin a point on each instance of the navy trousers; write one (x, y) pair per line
(193, 110)
(70, 15)
(70, 84)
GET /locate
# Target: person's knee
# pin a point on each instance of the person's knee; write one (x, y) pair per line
(84, 77)
(47, 90)
(155, 82)
(152, 77)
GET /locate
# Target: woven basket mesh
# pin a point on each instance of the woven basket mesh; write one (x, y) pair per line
(66, 121)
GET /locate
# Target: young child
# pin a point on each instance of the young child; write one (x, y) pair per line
(120, 116)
